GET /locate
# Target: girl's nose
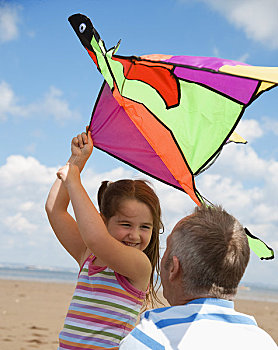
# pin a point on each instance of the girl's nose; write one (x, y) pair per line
(134, 233)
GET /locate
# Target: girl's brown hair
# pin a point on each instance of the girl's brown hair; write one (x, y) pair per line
(111, 194)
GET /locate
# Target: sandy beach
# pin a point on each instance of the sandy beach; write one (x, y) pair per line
(32, 314)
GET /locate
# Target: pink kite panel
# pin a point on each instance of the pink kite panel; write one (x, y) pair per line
(114, 132)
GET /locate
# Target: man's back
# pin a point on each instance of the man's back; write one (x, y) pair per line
(205, 323)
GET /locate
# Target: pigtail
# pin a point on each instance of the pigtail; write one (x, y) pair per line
(100, 193)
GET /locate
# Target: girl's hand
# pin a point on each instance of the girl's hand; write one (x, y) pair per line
(82, 146)
(69, 174)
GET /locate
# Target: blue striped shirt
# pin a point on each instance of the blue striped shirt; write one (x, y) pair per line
(205, 323)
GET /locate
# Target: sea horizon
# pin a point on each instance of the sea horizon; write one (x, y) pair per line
(8, 271)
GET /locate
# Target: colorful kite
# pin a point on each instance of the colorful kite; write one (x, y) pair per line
(170, 116)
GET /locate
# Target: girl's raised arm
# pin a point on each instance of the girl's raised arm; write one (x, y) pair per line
(62, 223)
(128, 261)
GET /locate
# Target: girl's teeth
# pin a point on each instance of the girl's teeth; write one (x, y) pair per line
(131, 244)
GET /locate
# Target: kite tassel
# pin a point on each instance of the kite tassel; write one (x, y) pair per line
(260, 248)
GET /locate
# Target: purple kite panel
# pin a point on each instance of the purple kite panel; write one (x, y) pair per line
(203, 62)
(240, 89)
(114, 132)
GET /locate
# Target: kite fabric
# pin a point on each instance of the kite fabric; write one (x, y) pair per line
(170, 116)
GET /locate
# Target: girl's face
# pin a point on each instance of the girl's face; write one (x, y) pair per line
(132, 224)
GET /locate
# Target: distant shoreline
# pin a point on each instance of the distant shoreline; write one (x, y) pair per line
(246, 291)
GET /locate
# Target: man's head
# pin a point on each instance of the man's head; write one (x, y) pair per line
(206, 256)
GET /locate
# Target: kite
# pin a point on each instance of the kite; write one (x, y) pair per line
(170, 116)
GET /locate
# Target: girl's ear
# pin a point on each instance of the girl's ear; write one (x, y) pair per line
(175, 269)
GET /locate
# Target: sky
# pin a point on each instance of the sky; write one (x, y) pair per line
(48, 87)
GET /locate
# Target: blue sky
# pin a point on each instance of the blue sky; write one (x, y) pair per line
(48, 86)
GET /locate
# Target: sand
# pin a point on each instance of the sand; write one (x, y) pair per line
(32, 314)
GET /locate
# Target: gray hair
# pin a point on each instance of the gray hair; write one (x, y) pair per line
(213, 251)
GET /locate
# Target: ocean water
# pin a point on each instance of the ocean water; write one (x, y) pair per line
(248, 291)
(35, 273)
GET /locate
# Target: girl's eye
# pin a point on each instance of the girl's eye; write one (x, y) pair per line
(126, 225)
(146, 227)
(82, 28)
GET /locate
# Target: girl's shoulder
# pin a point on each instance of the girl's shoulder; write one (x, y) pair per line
(94, 267)
(127, 286)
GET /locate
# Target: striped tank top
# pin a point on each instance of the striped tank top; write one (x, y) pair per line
(103, 310)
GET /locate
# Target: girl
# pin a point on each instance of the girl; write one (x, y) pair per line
(117, 250)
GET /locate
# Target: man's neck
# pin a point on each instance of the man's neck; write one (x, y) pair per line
(182, 300)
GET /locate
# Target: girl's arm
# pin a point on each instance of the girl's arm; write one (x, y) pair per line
(63, 224)
(128, 261)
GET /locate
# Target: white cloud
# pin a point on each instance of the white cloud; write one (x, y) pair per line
(246, 185)
(52, 105)
(19, 224)
(256, 17)
(275, 245)
(249, 129)
(92, 180)
(242, 162)
(24, 173)
(243, 58)
(27, 206)
(255, 206)
(230, 192)
(8, 102)
(9, 19)
(25, 183)
(24, 186)
(23, 189)
(270, 125)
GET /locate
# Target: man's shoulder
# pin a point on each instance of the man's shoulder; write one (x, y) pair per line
(202, 323)
(198, 311)
(165, 316)
(189, 308)
(156, 313)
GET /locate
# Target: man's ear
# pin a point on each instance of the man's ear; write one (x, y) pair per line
(175, 268)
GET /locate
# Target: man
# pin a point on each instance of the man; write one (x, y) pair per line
(205, 259)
